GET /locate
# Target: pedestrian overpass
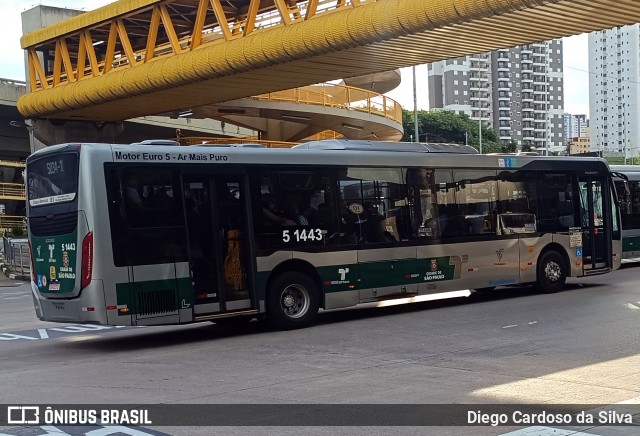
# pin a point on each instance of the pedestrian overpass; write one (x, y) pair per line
(140, 57)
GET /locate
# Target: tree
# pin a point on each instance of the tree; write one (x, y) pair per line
(450, 127)
(511, 147)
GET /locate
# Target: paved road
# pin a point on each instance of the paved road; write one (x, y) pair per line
(512, 346)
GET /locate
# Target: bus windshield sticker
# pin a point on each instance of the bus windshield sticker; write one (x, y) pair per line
(52, 199)
(575, 237)
(507, 162)
(356, 208)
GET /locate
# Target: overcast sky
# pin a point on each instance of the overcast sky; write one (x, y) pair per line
(576, 64)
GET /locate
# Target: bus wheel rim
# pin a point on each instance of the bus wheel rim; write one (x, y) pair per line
(294, 301)
(552, 271)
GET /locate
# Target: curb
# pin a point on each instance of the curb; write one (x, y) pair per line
(22, 277)
(14, 276)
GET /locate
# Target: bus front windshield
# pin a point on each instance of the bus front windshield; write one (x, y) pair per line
(52, 179)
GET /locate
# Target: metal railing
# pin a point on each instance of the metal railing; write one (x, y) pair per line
(8, 222)
(16, 254)
(339, 96)
(207, 140)
(12, 191)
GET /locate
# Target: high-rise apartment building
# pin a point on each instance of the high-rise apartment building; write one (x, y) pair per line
(517, 91)
(575, 126)
(614, 73)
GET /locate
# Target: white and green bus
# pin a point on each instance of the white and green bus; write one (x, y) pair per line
(627, 181)
(149, 234)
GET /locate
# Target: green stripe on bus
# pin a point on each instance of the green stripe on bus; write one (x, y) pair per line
(631, 243)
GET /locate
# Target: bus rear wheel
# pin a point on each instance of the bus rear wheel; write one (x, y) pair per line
(552, 272)
(292, 301)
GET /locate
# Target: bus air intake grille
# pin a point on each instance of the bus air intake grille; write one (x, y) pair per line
(61, 224)
(157, 302)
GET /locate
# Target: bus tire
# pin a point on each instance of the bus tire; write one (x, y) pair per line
(292, 301)
(552, 272)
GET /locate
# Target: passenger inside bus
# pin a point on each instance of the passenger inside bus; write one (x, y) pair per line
(272, 214)
(132, 192)
(373, 225)
(293, 213)
(199, 225)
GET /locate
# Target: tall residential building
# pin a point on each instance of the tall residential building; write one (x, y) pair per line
(517, 91)
(575, 126)
(614, 72)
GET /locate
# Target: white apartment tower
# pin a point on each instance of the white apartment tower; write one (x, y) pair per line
(517, 91)
(575, 126)
(614, 72)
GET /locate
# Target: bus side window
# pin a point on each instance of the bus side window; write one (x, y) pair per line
(294, 208)
(375, 204)
(150, 222)
(476, 199)
(557, 206)
(445, 202)
(422, 201)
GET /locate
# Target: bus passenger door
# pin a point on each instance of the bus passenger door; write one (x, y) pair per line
(216, 211)
(596, 248)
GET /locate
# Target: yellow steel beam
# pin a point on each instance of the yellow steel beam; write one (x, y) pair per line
(10, 163)
(283, 8)
(215, 63)
(312, 7)
(252, 13)
(152, 37)
(168, 28)
(222, 18)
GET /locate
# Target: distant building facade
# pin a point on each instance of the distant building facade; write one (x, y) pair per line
(575, 126)
(517, 91)
(580, 144)
(614, 73)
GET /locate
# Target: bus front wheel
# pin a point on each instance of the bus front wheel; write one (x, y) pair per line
(292, 301)
(552, 272)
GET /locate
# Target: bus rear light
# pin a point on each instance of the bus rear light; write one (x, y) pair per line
(87, 260)
(112, 307)
(88, 309)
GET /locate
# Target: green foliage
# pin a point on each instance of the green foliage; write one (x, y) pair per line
(17, 231)
(511, 147)
(615, 160)
(526, 147)
(450, 127)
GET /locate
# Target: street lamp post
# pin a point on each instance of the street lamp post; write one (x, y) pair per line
(480, 129)
(624, 126)
(415, 105)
